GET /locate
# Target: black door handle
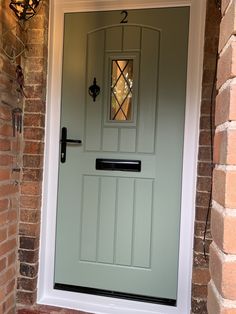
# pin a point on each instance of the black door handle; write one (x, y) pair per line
(64, 140)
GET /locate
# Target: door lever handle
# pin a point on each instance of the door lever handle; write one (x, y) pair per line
(64, 140)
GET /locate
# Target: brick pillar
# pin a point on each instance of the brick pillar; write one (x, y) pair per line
(10, 159)
(201, 276)
(35, 66)
(222, 287)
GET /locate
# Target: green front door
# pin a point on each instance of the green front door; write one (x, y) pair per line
(119, 194)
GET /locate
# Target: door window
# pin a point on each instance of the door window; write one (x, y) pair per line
(121, 90)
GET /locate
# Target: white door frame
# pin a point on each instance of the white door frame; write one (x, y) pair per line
(105, 305)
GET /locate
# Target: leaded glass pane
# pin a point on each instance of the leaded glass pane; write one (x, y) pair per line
(121, 90)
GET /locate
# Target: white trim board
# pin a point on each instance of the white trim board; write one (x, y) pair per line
(97, 304)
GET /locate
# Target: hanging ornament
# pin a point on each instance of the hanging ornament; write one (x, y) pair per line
(24, 9)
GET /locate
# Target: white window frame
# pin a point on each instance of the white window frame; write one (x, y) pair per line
(105, 305)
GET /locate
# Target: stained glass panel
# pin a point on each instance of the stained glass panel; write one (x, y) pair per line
(121, 90)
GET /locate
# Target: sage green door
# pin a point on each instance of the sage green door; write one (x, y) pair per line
(118, 228)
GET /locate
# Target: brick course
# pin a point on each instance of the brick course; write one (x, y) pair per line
(225, 109)
(228, 24)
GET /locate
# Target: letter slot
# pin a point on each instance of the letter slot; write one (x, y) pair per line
(118, 165)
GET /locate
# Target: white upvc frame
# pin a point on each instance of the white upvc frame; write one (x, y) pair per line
(104, 305)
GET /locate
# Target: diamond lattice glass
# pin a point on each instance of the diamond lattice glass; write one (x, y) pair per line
(121, 90)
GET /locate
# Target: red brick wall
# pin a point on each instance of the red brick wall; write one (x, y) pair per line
(10, 160)
(32, 162)
(204, 177)
(222, 288)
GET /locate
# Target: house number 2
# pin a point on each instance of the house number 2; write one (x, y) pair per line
(125, 18)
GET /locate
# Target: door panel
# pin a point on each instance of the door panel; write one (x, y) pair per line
(118, 231)
(113, 222)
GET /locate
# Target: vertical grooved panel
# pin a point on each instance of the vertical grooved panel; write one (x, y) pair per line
(89, 221)
(128, 140)
(131, 39)
(107, 220)
(124, 221)
(95, 60)
(142, 222)
(114, 39)
(98, 215)
(110, 139)
(148, 90)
